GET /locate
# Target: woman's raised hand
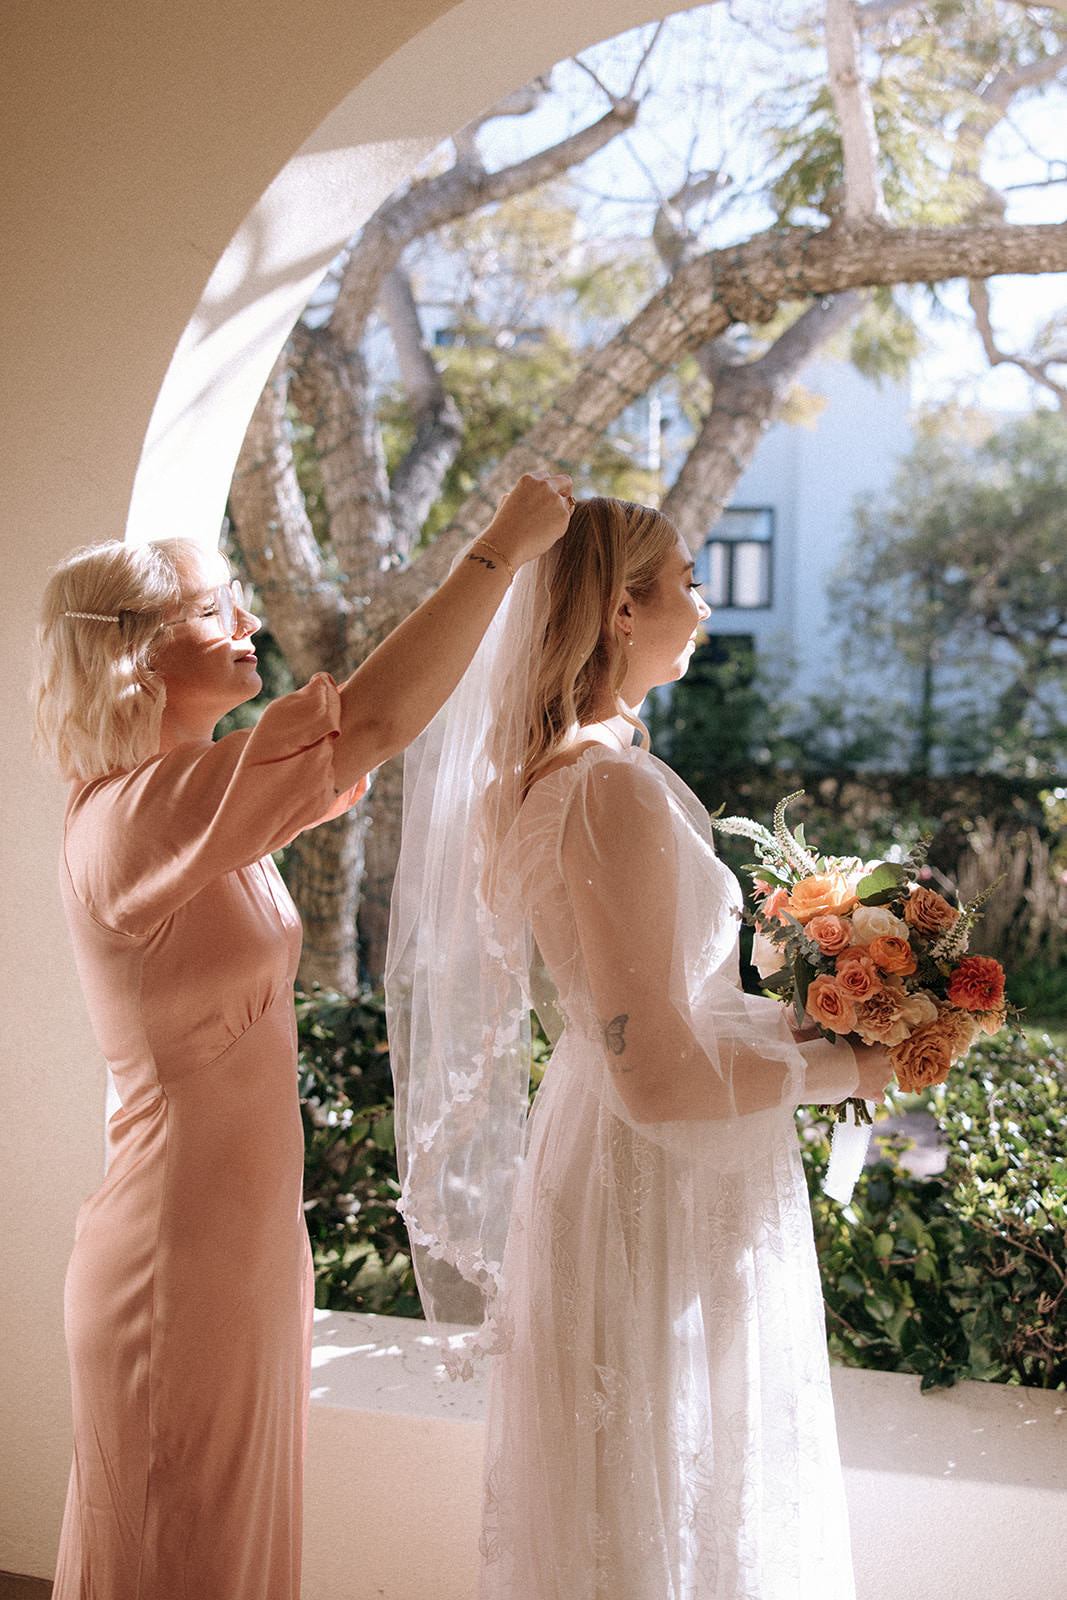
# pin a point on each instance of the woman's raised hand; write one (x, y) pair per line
(532, 516)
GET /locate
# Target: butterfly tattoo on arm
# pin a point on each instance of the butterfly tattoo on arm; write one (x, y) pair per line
(614, 1033)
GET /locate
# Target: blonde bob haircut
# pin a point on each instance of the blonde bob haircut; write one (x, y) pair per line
(97, 700)
(611, 548)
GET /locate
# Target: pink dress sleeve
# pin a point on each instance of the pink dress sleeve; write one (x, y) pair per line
(140, 844)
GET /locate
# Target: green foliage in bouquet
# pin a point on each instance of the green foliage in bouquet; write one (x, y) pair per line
(358, 1240)
(962, 1275)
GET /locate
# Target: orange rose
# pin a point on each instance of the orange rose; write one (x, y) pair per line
(890, 954)
(832, 934)
(857, 974)
(923, 1059)
(823, 892)
(929, 912)
(829, 1006)
(977, 984)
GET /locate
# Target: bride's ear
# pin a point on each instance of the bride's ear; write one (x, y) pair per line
(624, 618)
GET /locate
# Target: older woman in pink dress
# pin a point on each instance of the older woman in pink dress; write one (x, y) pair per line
(189, 1299)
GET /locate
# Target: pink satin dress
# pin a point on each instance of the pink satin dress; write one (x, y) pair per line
(189, 1293)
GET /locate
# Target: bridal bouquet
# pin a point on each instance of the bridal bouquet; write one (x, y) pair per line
(862, 950)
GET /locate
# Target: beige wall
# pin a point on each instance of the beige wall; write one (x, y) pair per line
(174, 178)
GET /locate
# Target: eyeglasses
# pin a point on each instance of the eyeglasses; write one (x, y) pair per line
(227, 603)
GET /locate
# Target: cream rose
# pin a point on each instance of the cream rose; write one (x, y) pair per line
(917, 1009)
(876, 922)
(767, 957)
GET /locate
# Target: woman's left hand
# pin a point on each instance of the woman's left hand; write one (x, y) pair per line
(532, 516)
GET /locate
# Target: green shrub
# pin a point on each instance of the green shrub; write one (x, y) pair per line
(963, 1275)
(358, 1240)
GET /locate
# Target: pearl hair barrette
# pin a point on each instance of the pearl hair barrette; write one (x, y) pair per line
(92, 616)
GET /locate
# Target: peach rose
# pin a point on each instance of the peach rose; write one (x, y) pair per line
(876, 922)
(856, 973)
(880, 1019)
(892, 955)
(929, 912)
(829, 1006)
(977, 984)
(823, 892)
(831, 933)
(922, 1059)
(776, 901)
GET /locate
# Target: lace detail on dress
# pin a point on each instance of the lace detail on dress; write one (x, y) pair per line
(660, 1423)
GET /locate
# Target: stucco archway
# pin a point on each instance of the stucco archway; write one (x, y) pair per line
(141, 317)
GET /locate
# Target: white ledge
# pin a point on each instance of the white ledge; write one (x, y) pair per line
(959, 1494)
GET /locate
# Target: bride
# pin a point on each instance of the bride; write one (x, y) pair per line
(639, 1260)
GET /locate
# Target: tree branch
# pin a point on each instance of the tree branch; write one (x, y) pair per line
(746, 283)
(748, 395)
(855, 115)
(978, 294)
(438, 425)
(433, 202)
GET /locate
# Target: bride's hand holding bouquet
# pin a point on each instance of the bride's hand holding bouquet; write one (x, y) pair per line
(865, 952)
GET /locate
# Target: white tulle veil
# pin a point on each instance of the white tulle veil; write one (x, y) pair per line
(458, 977)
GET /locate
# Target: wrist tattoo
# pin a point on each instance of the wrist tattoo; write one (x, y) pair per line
(614, 1033)
(483, 561)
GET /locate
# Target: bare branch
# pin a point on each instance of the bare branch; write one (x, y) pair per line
(438, 425)
(435, 201)
(748, 395)
(855, 115)
(746, 283)
(645, 55)
(672, 239)
(978, 294)
(519, 103)
(873, 12)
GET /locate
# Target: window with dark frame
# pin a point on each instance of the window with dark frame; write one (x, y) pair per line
(735, 563)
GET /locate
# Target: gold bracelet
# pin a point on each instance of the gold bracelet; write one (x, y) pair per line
(499, 555)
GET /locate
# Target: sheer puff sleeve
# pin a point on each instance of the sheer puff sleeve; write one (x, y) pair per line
(140, 844)
(656, 918)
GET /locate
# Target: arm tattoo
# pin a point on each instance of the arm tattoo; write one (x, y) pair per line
(482, 561)
(615, 1038)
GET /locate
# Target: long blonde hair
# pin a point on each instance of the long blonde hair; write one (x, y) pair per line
(97, 701)
(611, 547)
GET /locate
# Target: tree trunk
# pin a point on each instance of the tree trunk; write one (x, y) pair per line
(380, 853)
(324, 868)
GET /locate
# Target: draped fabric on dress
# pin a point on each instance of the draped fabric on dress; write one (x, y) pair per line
(661, 1423)
(188, 1302)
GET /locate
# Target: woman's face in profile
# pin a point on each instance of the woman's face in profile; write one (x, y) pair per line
(666, 626)
(207, 668)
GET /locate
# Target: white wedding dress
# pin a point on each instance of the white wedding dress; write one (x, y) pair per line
(661, 1424)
